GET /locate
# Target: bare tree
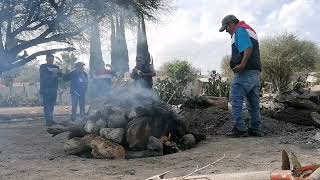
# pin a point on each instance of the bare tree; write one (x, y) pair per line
(28, 23)
(225, 65)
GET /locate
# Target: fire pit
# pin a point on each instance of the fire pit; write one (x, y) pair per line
(132, 123)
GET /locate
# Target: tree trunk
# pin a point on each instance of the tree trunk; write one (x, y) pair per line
(114, 48)
(123, 49)
(96, 60)
(142, 42)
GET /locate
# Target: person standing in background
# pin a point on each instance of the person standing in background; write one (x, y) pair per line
(79, 84)
(49, 76)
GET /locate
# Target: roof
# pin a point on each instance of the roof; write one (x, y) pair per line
(203, 79)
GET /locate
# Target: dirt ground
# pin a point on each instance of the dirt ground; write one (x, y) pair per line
(21, 112)
(27, 151)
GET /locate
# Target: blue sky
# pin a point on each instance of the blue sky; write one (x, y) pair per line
(190, 31)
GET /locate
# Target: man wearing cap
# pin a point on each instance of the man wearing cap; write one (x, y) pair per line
(245, 63)
(49, 74)
(78, 88)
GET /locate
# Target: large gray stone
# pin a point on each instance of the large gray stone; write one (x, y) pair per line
(188, 141)
(154, 144)
(137, 133)
(170, 147)
(117, 119)
(100, 124)
(76, 146)
(113, 134)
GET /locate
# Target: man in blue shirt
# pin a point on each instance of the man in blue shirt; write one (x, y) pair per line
(78, 88)
(245, 63)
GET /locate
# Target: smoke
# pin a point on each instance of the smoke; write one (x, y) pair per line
(132, 97)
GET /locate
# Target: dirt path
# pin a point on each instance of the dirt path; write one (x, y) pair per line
(28, 152)
(25, 112)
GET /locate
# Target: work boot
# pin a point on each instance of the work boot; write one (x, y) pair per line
(255, 132)
(236, 133)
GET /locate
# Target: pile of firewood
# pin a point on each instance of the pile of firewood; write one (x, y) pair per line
(131, 124)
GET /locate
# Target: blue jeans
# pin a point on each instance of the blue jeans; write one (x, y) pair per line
(245, 86)
(77, 99)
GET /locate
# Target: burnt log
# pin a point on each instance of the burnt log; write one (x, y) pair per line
(298, 116)
(204, 102)
(219, 102)
(75, 130)
(300, 103)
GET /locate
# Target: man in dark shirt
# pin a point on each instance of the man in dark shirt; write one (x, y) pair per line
(142, 73)
(49, 74)
(78, 88)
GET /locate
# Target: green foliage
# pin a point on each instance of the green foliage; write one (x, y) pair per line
(217, 88)
(285, 56)
(8, 80)
(178, 74)
(9, 77)
(19, 101)
(67, 60)
(29, 73)
(169, 88)
(180, 71)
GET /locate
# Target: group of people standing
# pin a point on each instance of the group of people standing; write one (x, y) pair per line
(245, 63)
(49, 80)
(51, 73)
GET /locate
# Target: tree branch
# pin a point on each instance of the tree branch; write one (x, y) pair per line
(32, 8)
(21, 62)
(1, 42)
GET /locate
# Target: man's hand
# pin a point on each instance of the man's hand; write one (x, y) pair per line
(246, 55)
(239, 68)
(139, 72)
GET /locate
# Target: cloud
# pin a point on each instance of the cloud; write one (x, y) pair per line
(190, 31)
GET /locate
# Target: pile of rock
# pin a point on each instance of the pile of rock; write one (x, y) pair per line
(128, 125)
(301, 108)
